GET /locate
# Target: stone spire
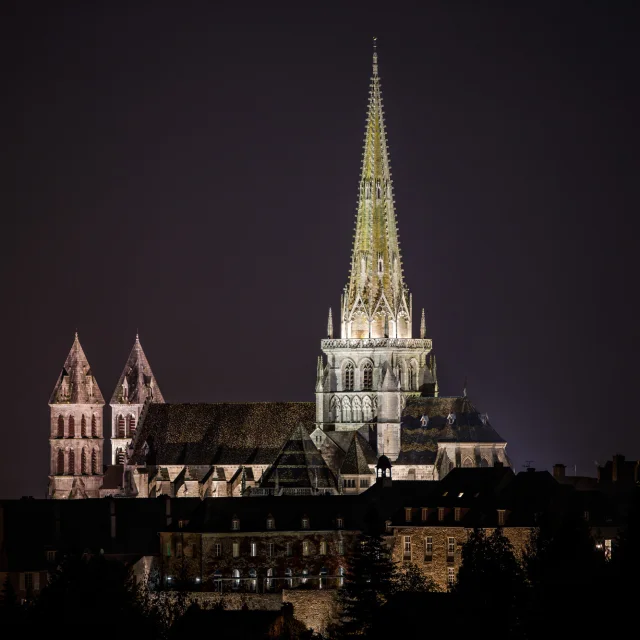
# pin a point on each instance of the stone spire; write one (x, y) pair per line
(376, 286)
(76, 383)
(423, 326)
(330, 325)
(137, 381)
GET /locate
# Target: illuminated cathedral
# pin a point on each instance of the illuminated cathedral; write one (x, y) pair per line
(376, 395)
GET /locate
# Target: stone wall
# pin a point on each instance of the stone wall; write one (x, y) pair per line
(315, 609)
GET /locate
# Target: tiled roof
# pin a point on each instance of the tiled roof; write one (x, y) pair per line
(358, 458)
(224, 433)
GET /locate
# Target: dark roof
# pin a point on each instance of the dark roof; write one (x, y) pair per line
(358, 458)
(223, 433)
(113, 477)
(140, 379)
(299, 464)
(449, 419)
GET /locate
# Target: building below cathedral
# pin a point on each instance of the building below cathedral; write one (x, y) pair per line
(376, 395)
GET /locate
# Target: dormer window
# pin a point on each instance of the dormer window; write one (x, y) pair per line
(235, 524)
(271, 523)
(339, 523)
(424, 420)
(387, 526)
(425, 513)
(501, 518)
(305, 522)
(457, 514)
(441, 513)
(407, 514)
(451, 418)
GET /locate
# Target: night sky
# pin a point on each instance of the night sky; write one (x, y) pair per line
(191, 171)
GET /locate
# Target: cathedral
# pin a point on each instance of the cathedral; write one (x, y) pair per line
(377, 398)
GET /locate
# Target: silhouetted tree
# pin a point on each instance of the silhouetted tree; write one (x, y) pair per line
(11, 612)
(410, 579)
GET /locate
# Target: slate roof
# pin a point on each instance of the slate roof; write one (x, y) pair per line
(299, 464)
(223, 433)
(78, 379)
(140, 379)
(358, 458)
(419, 444)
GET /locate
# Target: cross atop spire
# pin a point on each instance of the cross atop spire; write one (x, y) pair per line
(376, 288)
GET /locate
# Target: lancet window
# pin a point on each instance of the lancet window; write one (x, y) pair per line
(122, 431)
(132, 425)
(72, 427)
(83, 426)
(94, 426)
(346, 409)
(60, 463)
(60, 427)
(72, 462)
(367, 413)
(84, 466)
(367, 377)
(348, 376)
(94, 462)
(357, 409)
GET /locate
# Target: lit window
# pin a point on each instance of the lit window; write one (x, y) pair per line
(340, 548)
(51, 556)
(305, 523)
(407, 546)
(441, 513)
(348, 377)
(288, 572)
(269, 579)
(236, 549)
(272, 549)
(236, 579)
(218, 549)
(367, 377)
(500, 517)
(457, 514)
(254, 549)
(425, 513)
(407, 514)
(305, 548)
(341, 576)
(305, 573)
(235, 524)
(451, 575)
(607, 549)
(323, 548)
(271, 523)
(451, 546)
(289, 549)
(461, 494)
(428, 546)
(339, 523)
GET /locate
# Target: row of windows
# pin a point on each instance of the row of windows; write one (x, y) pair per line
(352, 409)
(125, 428)
(351, 483)
(86, 430)
(269, 549)
(428, 546)
(457, 513)
(407, 376)
(305, 523)
(89, 462)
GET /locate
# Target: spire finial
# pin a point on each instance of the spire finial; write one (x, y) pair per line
(76, 336)
(423, 326)
(330, 325)
(375, 56)
(464, 389)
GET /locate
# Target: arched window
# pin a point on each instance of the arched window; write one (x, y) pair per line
(335, 410)
(269, 579)
(253, 582)
(120, 456)
(60, 463)
(411, 474)
(60, 427)
(94, 426)
(132, 426)
(72, 462)
(412, 378)
(367, 412)
(346, 409)
(83, 426)
(72, 427)
(357, 409)
(340, 576)
(367, 377)
(236, 578)
(217, 580)
(289, 574)
(122, 432)
(83, 462)
(467, 462)
(484, 462)
(94, 462)
(305, 574)
(348, 376)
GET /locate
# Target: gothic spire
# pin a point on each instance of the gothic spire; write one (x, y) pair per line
(330, 325)
(76, 383)
(376, 285)
(137, 381)
(423, 326)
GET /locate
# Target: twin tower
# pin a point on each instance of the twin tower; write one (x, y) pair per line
(76, 430)
(369, 373)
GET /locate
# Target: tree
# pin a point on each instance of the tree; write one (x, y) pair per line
(368, 583)
(11, 613)
(410, 579)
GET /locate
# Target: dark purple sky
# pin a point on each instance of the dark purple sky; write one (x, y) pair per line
(191, 171)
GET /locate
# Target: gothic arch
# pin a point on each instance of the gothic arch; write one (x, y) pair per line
(357, 409)
(72, 427)
(348, 375)
(83, 462)
(367, 409)
(94, 462)
(121, 429)
(346, 409)
(132, 425)
(72, 462)
(335, 414)
(120, 459)
(60, 427)
(484, 462)
(366, 374)
(467, 462)
(83, 426)
(94, 426)
(60, 463)
(413, 375)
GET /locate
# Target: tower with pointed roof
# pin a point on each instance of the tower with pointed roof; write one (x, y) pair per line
(136, 385)
(376, 362)
(76, 430)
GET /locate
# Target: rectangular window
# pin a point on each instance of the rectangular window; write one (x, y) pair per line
(500, 517)
(428, 546)
(235, 524)
(607, 549)
(305, 523)
(451, 546)
(236, 549)
(407, 514)
(272, 549)
(451, 575)
(51, 556)
(457, 514)
(270, 523)
(28, 581)
(254, 549)
(289, 549)
(323, 548)
(218, 549)
(340, 548)
(178, 549)
(407, 547)
(425, 514)
(305, 548)
(441, 513)
(364, 483)
(340, 523)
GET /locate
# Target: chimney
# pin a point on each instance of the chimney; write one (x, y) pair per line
(617, 469)
(558, 472)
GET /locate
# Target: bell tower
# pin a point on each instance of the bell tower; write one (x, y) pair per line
(376, 363)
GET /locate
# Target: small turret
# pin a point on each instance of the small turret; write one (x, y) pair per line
(330, 325)
(423, 326)
(383, 471)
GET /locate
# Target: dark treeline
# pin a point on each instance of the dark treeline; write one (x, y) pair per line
(562, 585)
